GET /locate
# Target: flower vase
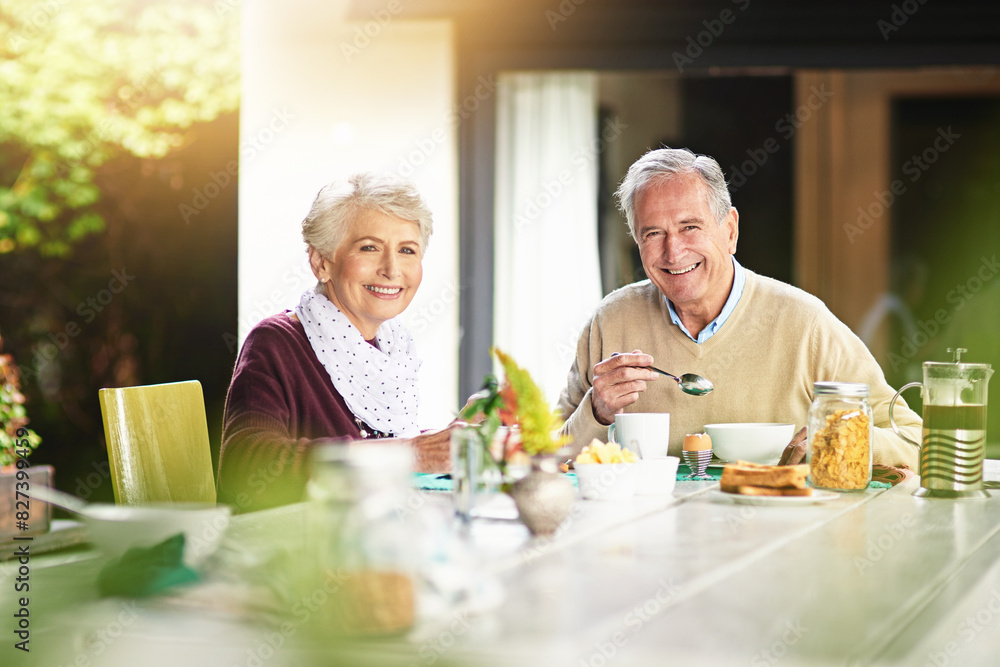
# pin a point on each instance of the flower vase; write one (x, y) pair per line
(475, 478)
(543, 496)
(20, 515)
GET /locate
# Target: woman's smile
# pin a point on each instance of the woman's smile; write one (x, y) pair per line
(384, 292)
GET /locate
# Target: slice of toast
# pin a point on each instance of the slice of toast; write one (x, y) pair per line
(744, 473)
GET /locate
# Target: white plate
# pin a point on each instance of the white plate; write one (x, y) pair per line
(818, 496)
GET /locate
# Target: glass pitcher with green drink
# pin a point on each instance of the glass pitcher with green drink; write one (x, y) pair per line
(954, 435)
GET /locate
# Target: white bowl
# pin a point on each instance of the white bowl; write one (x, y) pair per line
(114, 529)
(607, 481)
(657, 477)
(757, 443)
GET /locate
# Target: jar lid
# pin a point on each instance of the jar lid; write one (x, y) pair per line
(841, 388)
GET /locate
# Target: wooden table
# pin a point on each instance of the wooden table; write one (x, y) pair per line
(879, 578)
(876, 578)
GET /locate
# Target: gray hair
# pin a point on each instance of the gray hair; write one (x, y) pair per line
(341, 202)
(665, 163)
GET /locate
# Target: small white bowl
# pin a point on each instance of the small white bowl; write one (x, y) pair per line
(657, 477)
(114, 529)
(757, 443)
(607, 481)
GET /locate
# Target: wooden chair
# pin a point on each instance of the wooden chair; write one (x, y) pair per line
(158, 443)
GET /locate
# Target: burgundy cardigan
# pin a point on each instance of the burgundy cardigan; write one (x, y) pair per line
(281, 400)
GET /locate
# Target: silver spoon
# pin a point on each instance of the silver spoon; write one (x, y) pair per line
(689, 383)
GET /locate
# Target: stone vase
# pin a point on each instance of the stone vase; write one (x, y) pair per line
(543, 496)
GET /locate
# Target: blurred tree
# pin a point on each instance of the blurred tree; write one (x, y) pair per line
(84, 83)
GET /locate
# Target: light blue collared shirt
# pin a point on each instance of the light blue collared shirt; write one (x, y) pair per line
(739, 280)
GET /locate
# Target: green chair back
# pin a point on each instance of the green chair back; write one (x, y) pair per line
(158, 443)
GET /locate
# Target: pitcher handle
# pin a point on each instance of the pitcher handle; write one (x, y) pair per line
(892, 404)
(611, 432)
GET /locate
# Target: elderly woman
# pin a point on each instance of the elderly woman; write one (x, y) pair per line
(339, 365)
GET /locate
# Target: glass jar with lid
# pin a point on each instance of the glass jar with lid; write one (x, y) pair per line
(840, 432)
(366, 545)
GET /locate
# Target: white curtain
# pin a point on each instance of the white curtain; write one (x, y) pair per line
(547, 272)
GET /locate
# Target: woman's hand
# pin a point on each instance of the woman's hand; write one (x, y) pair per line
(432, 451)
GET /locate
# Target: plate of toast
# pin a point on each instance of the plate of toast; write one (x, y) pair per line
(757, 484)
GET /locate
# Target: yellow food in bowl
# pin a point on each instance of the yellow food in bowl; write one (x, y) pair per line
(605, 452)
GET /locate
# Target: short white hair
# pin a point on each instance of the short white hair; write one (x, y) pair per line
(342, 202)
(665, 163)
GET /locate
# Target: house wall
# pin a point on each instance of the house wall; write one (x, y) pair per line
(323, 97)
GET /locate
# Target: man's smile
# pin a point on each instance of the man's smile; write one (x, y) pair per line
(684, 270)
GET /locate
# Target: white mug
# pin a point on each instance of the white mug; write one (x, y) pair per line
(645, 433)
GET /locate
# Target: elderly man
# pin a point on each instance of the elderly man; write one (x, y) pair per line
(761, 342)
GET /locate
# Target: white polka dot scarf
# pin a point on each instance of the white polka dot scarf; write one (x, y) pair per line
(378, 384)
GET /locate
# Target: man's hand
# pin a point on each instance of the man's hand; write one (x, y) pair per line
(795, 452)
(618, 381)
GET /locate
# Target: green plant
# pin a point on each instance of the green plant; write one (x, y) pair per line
(13, 416)
(524, 400)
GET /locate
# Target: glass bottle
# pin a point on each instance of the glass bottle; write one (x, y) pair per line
(840, 432)
(366, 548)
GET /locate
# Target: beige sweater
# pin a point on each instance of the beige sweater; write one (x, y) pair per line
(763, 362)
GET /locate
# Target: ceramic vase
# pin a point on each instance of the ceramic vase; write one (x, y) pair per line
(543, 496)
